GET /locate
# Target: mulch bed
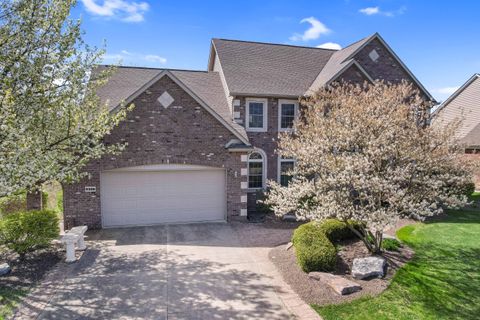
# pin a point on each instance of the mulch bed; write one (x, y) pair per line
(315, 292)
(27, 272)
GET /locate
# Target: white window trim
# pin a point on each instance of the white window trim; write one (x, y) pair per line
(280, 103)
(265, 114)
(264, 169)
(279, 162)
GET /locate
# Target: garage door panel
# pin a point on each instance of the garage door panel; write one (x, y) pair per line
(136, 198)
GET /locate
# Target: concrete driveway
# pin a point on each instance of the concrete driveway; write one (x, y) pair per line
(190, 271)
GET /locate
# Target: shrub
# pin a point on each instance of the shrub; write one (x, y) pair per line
(337, 230)
(13, 203)
(313, 243)
(27, 231)
(469, 188)
(390, 244)
(261, 206)
(314, 250)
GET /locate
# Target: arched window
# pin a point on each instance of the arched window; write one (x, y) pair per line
(256, 170)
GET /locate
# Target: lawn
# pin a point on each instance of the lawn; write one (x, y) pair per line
(441, 282)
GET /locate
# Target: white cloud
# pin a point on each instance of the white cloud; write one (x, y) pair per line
(155, 58)
(125, 10)
(370, 11)
(446, 90)
(330, 45)
(133, 58)
(316, 29)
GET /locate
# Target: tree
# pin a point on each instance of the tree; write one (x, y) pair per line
(51, 121)
(365, 153)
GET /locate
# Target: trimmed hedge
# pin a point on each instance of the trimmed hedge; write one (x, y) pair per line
(313, 244)
(27, 231)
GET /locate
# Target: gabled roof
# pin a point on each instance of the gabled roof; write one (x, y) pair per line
(266, 69)
(457, 92)
(126, 83)
(353, 49)
(463, 105)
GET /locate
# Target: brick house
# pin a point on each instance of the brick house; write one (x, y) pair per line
(201, 143)
(464, 105)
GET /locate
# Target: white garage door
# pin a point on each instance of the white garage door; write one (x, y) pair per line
(162, 194)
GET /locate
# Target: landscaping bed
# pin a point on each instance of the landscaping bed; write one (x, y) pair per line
(442, 281)
(25, 275)
(315, 292)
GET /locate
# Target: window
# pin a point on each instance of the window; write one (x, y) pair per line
(256, 115)
(255, 170)
(284, 167)
(287, 112)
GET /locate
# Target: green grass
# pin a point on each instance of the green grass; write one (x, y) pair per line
(475, 197)
(9, 298)
(442, 281)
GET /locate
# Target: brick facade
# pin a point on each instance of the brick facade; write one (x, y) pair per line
(183, 133)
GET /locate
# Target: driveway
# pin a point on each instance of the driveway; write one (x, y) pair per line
(189, 271)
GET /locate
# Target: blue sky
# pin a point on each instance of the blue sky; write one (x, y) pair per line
(438, 40)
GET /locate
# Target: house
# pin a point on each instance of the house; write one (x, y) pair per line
(464, 106)
(201, 143)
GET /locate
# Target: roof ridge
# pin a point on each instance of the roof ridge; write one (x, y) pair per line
(353, 43)
(275, 44)
(152, 68)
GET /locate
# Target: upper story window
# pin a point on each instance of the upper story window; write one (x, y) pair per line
(285, 168)
(287, 113)
(256, 170)
(256, 115)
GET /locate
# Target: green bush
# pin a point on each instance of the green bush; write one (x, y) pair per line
(27, 231)
(13, 203)
(337, 230)
(313, 243)
(60, 201)
(390, 244)
(261, 206)
(314, 250)
(469, 188)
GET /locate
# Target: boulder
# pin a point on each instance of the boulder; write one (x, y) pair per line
(368, 267)
(4, 269)
(339, 284)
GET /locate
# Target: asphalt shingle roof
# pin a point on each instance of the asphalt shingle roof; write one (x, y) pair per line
(207, 86)
(337, 62)
(269, 69)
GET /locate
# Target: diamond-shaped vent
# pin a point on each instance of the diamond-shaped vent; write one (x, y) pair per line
(165, 99)
(374, 55)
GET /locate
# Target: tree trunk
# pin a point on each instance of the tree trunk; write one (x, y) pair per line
(34, 200)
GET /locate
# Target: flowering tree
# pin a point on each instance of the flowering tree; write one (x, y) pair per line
(366, 154)
(51, 122)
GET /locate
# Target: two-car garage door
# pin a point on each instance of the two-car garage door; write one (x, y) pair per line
(162, 194)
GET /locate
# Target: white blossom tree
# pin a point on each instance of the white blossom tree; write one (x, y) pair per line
(51, 121)
(365, 154)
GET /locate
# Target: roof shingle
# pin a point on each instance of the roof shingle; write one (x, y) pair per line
(269, 69)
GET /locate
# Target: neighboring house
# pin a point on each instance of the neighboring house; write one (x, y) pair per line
(464, 106)
(201, 143)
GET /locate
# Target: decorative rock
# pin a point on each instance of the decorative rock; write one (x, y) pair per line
(288, 246)
(4, 269)
(339, 284)
(368, 267)
(343, 286)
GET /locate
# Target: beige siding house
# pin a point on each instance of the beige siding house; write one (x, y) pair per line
(464, 106)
